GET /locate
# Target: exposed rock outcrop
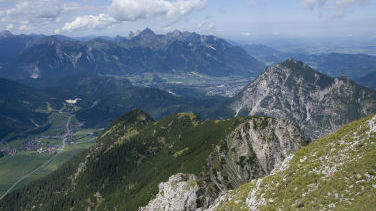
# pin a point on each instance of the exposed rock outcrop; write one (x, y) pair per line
(336, 172)
(252, 150)
(317, 103)
(180, 192)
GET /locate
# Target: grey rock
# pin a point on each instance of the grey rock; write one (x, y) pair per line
(317, 103)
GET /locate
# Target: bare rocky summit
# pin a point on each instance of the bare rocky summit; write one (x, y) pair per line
(317, 103)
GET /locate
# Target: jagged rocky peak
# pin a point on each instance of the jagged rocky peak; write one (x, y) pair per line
(178, 35)
(146, 34)
(316, 102)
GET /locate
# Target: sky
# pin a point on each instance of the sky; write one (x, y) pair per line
(232, 19)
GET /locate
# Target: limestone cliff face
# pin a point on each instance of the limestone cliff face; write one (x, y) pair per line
(180, 192)
(317, 103)
(250, 151)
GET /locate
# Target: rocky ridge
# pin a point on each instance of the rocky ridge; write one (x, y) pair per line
(317, 103)
(250, 151)
(181, 188)
(334, 172)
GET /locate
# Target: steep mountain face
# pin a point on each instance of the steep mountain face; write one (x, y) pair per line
(93, 85)
(11, 45)
(184, 162)
(317, 103)
(49, 58)
(146, 52)
(23, 108)
(336, 172)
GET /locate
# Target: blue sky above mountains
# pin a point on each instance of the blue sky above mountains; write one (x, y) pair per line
(237, 19)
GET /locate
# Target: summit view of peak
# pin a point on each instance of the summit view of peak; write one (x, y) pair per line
(187, 105)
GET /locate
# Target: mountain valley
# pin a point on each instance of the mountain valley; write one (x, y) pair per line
(182, 121)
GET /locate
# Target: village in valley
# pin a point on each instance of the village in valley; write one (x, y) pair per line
(63, 130)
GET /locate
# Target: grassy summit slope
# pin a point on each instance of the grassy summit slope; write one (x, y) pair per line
(335, 172)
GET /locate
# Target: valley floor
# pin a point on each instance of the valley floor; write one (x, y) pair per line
(36, 156)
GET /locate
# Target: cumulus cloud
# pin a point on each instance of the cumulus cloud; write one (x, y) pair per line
(37, 10)
(98, 22)
(336, 8)
(133, 10)
(26, 15)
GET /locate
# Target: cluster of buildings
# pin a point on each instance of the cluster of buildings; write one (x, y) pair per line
(40, 146)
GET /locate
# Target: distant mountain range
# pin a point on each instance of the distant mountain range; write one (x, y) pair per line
(291, 90)
(316, 102)
(51, 57)
(358, 67)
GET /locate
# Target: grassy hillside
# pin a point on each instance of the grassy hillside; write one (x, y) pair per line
(23, 108)
(335, 172)
(109, 174)
(124, 168)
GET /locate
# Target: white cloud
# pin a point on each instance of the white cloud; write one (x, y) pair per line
(32, 10)
(97, 22)
(336, 8)
(24, 15)
(31, 15)
(133, 10)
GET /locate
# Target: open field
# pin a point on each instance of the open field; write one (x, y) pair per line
(225, 86)
(14, 167)
(38, 155)
(61, 158)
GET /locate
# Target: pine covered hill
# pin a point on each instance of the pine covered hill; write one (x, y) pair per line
(336, 172)
(125, 169)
